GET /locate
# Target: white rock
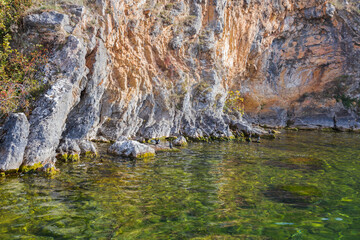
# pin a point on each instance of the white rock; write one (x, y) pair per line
(131, 149)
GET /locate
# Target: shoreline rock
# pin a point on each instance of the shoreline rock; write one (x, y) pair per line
(132, 149)
(13, 140)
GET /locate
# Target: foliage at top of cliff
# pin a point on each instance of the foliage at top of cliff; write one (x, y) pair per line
(10, 13)
(18, 84)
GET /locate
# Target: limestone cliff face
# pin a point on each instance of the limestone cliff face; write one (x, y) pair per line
(293, 61)
(157, 68)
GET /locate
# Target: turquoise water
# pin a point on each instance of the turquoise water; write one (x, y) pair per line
(304, 185)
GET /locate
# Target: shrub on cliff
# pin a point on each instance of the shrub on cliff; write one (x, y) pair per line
(18, 85)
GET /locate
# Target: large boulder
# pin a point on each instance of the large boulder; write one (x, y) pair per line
(131, 149)
(13, 140)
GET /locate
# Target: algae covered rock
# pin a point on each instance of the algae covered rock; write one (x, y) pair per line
(131, 149)
(164, 148)
(299, 163)
(71, 149)
(13, 140)
(180, 141)
(299, 196)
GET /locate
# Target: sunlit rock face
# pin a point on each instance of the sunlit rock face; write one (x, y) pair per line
(173, 63)
(160, 68)
(292, 61)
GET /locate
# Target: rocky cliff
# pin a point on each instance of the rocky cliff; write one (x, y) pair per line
(158, 68)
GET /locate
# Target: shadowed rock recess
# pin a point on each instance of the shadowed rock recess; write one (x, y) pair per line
(146, 69)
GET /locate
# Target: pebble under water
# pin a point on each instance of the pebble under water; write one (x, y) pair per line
(304, 185)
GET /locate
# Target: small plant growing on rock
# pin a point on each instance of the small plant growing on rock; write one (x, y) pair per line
(234, 103)
(18, 84)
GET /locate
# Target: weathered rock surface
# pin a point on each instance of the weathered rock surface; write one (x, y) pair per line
(137, 69)
(131, 149)
(300, 69)
(13, 140)
(49, 117)
(48, 27)
(180, 141)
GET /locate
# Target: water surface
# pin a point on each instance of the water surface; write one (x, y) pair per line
(302, 186)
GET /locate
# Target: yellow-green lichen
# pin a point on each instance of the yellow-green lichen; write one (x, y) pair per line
(171, 138)
(69, 157)
(168, 150)
(90, 154)
(11, 171)
(2, 174)
(153, 139)
(51, 171)
(145, 155)
(28, 168)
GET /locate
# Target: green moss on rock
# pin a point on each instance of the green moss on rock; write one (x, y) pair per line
(168, 150)
(302, 190)
(66, 157)
(269, 136)
(51, 171)
(90, 154)
(145, 155)
(28, 168)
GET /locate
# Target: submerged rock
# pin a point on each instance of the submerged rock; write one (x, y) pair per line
(131, 149)
(71, 149)
(295, 195)
(300, 163)
(13, 139)
(164, 148)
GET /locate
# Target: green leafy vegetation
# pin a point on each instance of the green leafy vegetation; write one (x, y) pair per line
(18, 84)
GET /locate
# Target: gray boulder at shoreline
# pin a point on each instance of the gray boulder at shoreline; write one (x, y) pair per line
(13, 140)
(131, 149)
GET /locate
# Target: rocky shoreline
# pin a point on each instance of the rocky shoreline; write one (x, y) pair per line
(125, 70)
(14, 143)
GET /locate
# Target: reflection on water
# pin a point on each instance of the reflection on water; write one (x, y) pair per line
(302, 186)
